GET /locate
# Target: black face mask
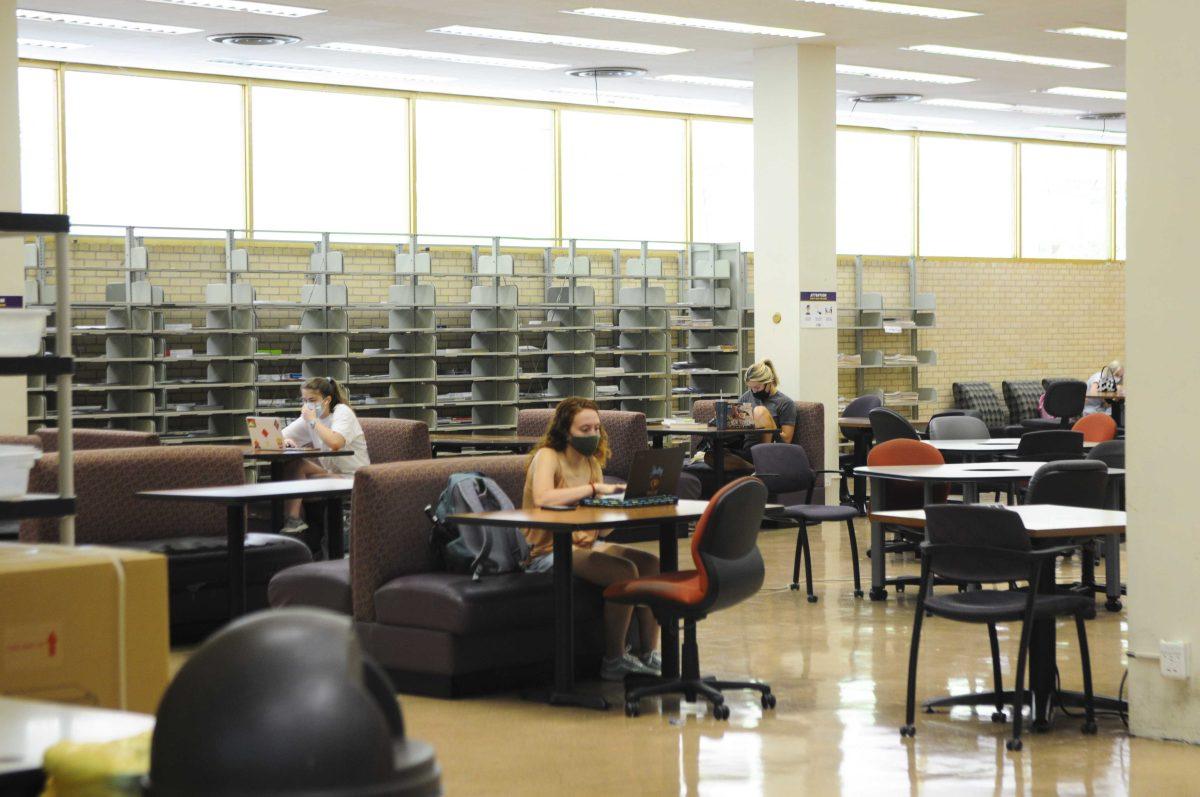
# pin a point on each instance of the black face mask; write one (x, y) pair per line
(761, 395)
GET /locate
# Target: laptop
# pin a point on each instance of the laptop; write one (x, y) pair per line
(266, 434)
(653, 479)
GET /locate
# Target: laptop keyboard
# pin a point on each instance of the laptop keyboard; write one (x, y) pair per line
(631, 503)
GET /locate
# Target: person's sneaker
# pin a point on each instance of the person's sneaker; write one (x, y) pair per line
(616, 669)
(653, 660)
(293, 525)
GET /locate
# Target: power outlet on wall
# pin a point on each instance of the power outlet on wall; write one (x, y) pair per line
(1173, 659)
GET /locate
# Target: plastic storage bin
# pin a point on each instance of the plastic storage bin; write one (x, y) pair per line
(15, 464)
(21, 331)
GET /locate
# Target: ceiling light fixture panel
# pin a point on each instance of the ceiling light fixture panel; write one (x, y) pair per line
(435, 55)
(901, 74)
(1000, 55)
(1091, 94)
(268, 9)
(46, 44)
(292, 67)
(1094, 33)
(1109, 136)
(704, 80)
(895, 8)
(108, 23)
(898, 120)
(693, 22)
(529, 37)
(981, 105)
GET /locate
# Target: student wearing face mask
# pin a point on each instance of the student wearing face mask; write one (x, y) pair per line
(326, 423)
(774, 413)
(564, 468)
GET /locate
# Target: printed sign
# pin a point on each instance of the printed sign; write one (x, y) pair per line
(818, 309)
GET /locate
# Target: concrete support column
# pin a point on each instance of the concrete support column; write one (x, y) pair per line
(12, 419)
(794, 201)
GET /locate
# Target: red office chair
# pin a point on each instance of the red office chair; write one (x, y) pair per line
(1096, 428)
(729, 569)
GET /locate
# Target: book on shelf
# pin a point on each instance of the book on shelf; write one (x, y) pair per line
(901, 397)
(900, 359)
(849, 360)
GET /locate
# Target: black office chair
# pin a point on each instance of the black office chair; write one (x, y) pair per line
(1112, 454)
(1048, 446)
(957, 427)
(1078, 482)
(861, 438)
(989, 545)
(729, 569)
(888, 425)
(784, 468)
(1064, 400)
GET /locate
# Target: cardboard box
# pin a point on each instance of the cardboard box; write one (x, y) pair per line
(63, 613)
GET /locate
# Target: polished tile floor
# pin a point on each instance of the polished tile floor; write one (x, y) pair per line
(838, 667)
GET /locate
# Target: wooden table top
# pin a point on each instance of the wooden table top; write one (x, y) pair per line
(967, 472)
(29, 727)
(703, 429)
(982, 446)
(852, 422)
(276, 455)
(1041, 520)
(252, 493)
(584, 517)
(1107, 396)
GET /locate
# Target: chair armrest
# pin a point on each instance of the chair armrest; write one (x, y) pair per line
(825, 470)
(1050, 553)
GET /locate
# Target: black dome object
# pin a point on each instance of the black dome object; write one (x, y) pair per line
(285, 703)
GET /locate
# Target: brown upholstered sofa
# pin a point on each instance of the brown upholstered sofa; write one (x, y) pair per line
(435, 632)
(47, 439)
(191, 535)
(396, 439)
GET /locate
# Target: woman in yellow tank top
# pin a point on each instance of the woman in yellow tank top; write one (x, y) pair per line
(564, 468)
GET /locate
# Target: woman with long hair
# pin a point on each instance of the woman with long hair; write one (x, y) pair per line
(565, 467)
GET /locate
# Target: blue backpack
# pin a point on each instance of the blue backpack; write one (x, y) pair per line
(474, 550)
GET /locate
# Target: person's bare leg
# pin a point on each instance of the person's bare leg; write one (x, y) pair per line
(601, 568)
(295, 471)
(763, 420)
(647, 565)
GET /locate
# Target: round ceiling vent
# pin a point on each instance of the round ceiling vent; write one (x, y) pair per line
(254, 39)
(607, 72)
(883, 99)
(1111, 116)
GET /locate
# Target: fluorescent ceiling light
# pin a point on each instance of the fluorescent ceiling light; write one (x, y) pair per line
(614, 98)
(46, 44)
(1114, 136)
(1094, 33)
(980, 105)
(999, 55)
(528, 37)
(1091, 94)
(693, 22)
(269, 9)
(895, 8)
(369, 73)
(899, 74)
(898, 120)
(703, 80)
(102, 22)
(434, 55)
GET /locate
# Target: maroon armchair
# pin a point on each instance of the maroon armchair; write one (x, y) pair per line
(396, 439)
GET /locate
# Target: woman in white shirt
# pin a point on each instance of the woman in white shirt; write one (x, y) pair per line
(1108, 379)
(326, 423)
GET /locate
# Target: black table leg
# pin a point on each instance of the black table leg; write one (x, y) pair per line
(1041, 657)
(277, 504)
(862, 445)
(334, 545)
(235, 528)
(878, 562)
(656, 441)
(668, 559)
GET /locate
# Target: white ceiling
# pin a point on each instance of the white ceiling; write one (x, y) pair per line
(862, 38)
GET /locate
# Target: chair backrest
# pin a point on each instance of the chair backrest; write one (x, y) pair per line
(1073, 482)
(1022, 397)
(984, 544)
(725, 544)
(83, 439)
(906, 495)
(888, 425)
(704, 410)
(1096, 428)
(626, 434)
(981, 396)
(1065, 398)
(1111, 453)
(782, 467)
(859, 407)
(957, 427)
(396, 439)
(1050, 445)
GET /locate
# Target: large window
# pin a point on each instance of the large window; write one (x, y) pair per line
(1121, 188)
(154, 152)
(966, 203)
(723, 183)
(329, 162)
(1064, 202)
(39, 139)
(623, 177)
(485, 170)
(874, 193)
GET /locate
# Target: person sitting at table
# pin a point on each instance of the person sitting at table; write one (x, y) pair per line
(326, 423)
(565, 467)
(774, 412)
(1107, 380)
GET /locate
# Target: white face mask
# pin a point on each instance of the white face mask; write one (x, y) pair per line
(315, 407)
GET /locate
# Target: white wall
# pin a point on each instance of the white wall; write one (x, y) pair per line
(1163, 345)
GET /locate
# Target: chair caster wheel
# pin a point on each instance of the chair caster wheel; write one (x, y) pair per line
(721, 711)
(1089, 728)
(858, 593)
(768, 701)
(999, 716)
(794, 587)
(908, 730)
(1112, 605)
(1014, 745)
(878, 594)
(812, 598)
(632, 709)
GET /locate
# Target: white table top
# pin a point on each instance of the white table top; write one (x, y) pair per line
(968, 472)
(29, 727)
(1041, 520)
(995, 445)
